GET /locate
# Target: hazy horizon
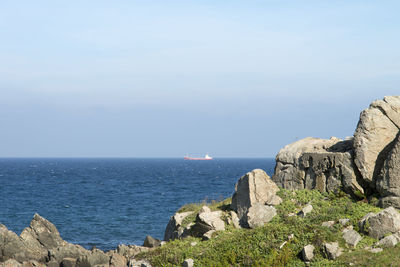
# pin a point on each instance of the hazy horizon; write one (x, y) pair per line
(162, 79)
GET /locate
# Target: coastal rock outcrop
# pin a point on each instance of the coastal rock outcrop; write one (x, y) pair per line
(41, 243)
(376, 130)
(254, 187)
(313, 163)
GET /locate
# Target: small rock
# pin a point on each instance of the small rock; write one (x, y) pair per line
(188, 263)
(208, 235)
(389, 241)
(344, 221)
(274, 201)
(307, 209)
(351, 237)
(328, 224)
(308, 253)
(151, 242)
(193, 244)
(332, 250)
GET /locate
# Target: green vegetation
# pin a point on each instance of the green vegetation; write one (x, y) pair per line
(263, 246)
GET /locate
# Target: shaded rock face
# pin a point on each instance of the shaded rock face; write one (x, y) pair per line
(314, 163)
(254, 187)
(377, 128)
(388, 182)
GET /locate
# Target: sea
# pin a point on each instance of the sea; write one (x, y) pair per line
(107, 202)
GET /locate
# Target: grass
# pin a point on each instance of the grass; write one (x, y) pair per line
(261, 246)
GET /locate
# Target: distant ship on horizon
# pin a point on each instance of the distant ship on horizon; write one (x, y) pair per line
(206, 157)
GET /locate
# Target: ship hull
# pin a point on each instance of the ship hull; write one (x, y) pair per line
(189, 158)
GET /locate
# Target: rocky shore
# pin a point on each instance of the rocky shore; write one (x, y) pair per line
(365, 166)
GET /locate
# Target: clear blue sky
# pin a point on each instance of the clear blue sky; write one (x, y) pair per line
(166, 78)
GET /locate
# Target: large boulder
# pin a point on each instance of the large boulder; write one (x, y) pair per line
(259, 214)
(388, 182)
(254, 187)
(174, 227)
(380, 224)
(313, 163)
(377, 128)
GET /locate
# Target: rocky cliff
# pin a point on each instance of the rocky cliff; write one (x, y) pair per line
(362, 165)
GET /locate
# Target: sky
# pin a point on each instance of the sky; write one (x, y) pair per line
(154, 78)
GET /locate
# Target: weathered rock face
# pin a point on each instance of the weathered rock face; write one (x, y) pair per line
(174, 227)
(314, 163)
(377, 128)
(388, 182)
(254, 187)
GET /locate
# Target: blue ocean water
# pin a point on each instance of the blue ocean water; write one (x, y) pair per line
(107, 202)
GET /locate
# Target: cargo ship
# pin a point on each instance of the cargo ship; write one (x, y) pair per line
(206, 157)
